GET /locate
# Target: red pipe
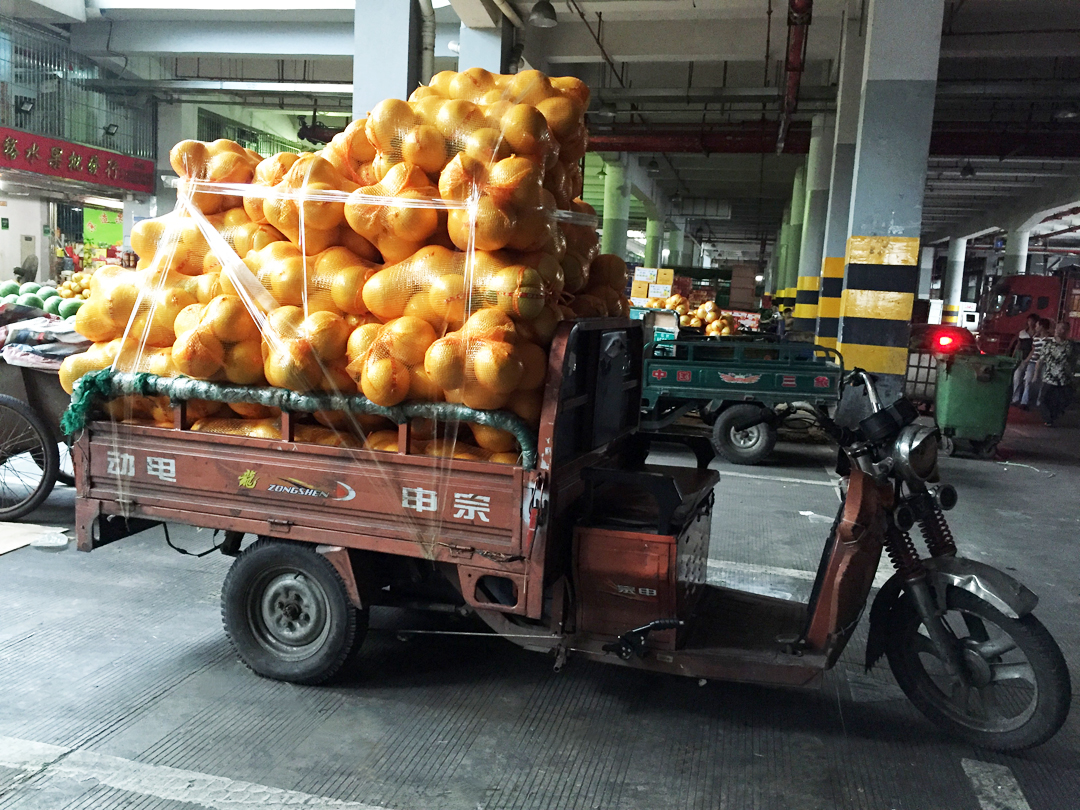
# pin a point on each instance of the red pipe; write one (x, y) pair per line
(799, 14)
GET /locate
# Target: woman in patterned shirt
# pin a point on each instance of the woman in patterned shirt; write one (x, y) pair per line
(1056, 366)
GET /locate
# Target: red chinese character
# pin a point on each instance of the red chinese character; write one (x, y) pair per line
(821, 382)
(92, 164)
(74, 161)
(10, 150)
(659, 374)
(682, 376)
(56, 156)
(31, 153)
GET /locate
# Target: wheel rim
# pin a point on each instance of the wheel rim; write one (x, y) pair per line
(20, 477)
(289, 613)
(998, 691)
(747, 439)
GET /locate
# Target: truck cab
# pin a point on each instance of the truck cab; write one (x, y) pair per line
(1008, 303)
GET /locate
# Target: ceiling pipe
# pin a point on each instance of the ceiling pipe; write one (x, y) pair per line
(750, 138)
(799, 13)
(427, 41)
(510, 14)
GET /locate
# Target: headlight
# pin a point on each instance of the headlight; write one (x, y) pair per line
(915, 451)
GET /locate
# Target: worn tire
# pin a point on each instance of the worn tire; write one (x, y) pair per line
(742, 447)
(286, 611)
(1053, 691)
(25, 429)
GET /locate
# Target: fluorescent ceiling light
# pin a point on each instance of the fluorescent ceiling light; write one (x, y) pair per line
(103, 202)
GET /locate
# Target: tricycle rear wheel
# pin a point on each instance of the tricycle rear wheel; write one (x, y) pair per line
(24, 440)
(287, 613)
(743, 446)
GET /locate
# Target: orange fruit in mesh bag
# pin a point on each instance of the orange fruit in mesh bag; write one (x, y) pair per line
(229, 320)
(243, 363)
(528, 405)
(493, 439)
(268, 173)
(447, 297)
(93, 322)
(489, 323)
(422, 387)
(387, 124)
(444, 362)
(251, 410)
(77, 365)
(327, 333)
(472, 84)
(486, 145)
(534, 365)
(361, 339)
(198, 353)
(336, 379)
(350, 149)
(387, 293)
(424, 146)
(153, 324)
(479, 397)
(292, 364)
(495, 366)
(517, 290)
(505, 458)
(408, 338)
(457, 119)
(608, 270)
(385, 380)
(529, 87)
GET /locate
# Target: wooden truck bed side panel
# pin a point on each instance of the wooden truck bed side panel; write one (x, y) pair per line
(293, 492)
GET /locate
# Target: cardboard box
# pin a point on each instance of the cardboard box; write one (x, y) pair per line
(639, 289)
(646, 274)
(639, 302)
(659, 291)
(665, 275)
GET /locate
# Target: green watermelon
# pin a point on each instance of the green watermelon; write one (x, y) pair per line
(9, 288)
(52, 304)
(47, 292)
(69, 306)
(29, 287)
(11, 298)
(31, 300)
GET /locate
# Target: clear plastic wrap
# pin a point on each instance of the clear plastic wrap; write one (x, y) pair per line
(425, 256)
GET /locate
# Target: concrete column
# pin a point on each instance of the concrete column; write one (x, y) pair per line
(798, 211)
(175, 123)
(1016, 252)
(674, 239)
(488, 48)
(782, 259)
(849, 101)
(816, 209)
(654, 241)
(881, 275)
(616, 207)
(926, 270)
(952, 287)
(386, 59)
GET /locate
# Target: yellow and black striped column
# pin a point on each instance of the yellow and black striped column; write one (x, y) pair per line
(828, 306)
(882, 278)
(806, 302)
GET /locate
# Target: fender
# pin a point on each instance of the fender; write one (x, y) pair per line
(996, 588)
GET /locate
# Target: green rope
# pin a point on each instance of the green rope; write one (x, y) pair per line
(106, 384)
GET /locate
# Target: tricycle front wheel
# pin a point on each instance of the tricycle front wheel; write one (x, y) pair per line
(287, 613)
(1013, 691)
(741, 445)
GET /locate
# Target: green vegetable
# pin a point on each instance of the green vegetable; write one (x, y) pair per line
(52, 304)
(11, 298)
(31, 300)
(45, 293)
(9, 288)
(29, 287)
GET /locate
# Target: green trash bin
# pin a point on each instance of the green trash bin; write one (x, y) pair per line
(972, 399)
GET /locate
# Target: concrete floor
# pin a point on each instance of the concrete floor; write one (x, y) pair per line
(119, 688)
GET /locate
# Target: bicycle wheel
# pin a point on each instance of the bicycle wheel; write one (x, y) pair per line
(23, 437)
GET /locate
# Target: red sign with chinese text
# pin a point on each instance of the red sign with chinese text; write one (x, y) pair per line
(72, 161)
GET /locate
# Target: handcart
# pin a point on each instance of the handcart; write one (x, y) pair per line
(31, 462)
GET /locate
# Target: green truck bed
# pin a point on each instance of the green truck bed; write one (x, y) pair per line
(678, 375)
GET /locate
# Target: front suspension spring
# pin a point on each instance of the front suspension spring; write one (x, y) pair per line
(935, 531)
(902, 553)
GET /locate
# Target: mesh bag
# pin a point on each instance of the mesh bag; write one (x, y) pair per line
(426, 255)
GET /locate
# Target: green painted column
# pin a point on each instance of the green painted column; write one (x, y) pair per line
(782, 244)
(654, 241)
(674, 240)
(816, 209)
(794, 241)
(616, 207)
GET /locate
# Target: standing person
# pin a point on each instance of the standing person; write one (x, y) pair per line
(1056, 368)
(1027, 334)
(789, 319)
(1025, 380)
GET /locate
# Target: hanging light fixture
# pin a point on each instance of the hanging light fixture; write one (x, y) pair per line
(603, 170)
(543, 15)
(653, 168)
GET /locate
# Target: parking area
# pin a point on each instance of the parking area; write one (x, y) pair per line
(121, 689)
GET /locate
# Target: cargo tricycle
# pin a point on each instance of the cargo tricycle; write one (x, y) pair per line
(573, 550)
